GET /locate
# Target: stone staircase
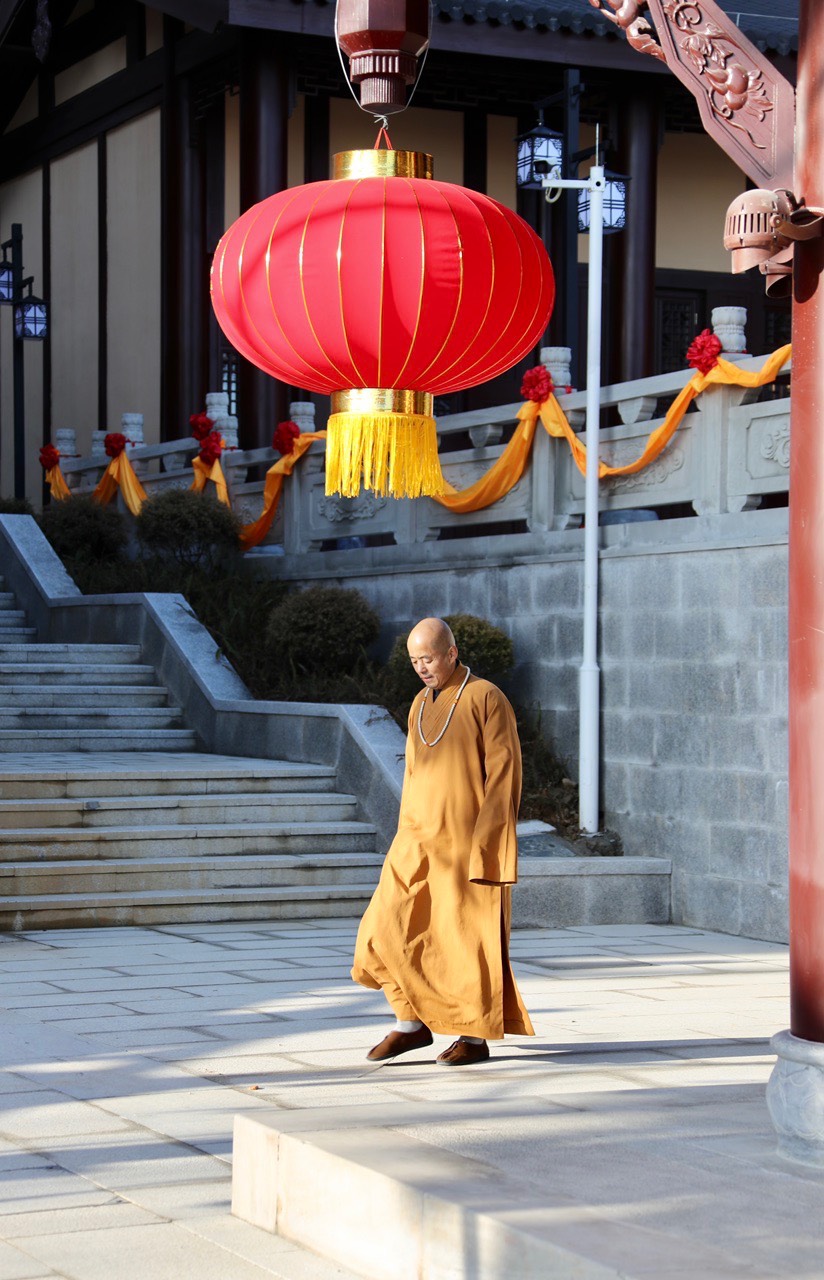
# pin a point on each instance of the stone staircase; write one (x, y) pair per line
(110, 815)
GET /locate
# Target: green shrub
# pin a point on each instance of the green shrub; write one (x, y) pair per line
(485, 649)
(481, 646)
(82, 530)
(192, 529)
(322, 629)
(16, 507)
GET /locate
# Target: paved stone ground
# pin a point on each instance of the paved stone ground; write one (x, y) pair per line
(125, 1053)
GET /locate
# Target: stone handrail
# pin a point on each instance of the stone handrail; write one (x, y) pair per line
(730, 451)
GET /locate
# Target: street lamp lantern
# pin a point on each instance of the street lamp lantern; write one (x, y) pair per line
(540, 152)
(6, 284)
(31, 321)
(615, 204)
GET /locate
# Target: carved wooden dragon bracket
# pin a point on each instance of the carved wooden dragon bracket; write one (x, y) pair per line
(746, 105)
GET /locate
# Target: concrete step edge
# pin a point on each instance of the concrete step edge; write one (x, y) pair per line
(388, 1187)
(156, 897)
(265, 769)
(181, 831)
(207, 799)
(230, 862)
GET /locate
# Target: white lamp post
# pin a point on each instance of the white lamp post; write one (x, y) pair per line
(589, 671)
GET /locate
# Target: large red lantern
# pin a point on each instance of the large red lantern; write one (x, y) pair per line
(383, 288)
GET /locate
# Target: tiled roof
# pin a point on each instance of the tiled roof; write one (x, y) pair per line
(771, 24)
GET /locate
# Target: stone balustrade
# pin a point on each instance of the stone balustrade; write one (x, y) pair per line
(731, 450)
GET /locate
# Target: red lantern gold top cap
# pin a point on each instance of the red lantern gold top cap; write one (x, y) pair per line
(382, 164)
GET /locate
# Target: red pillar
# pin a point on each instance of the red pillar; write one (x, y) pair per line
(806, 623)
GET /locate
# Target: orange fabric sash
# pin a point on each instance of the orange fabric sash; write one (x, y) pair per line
(56, 481)
(252, 534)
(120, 474)
(204, 472)
(505, 473)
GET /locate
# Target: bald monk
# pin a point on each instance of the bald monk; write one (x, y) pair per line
(435, 936)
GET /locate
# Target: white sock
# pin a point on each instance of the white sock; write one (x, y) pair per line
(472, 1039)
(409, 1026)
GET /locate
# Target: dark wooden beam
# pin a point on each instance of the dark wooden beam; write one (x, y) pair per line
(264, 115)
(474, 150)
(206, 15)
(106, 105)
(316, 138)
(102, 285)
(632, 251)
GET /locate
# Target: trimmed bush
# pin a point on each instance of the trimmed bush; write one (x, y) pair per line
(322, 629)
(16, 507)
(82, 530)
(485, 649)
(192, 529)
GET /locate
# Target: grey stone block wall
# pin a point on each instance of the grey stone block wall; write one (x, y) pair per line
(694, 684)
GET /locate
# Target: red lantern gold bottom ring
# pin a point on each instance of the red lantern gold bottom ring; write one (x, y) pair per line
(385, 440)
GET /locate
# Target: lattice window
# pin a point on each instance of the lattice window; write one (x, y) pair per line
(229, 366)
(676, 324)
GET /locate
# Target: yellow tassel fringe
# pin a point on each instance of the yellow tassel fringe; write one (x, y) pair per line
(393, 453)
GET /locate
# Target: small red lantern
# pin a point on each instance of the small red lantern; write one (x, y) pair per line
(383, 288)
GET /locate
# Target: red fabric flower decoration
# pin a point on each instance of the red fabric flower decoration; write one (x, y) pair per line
(286, 433)
(201, 425)
(211, 448)
(114, 444)
(537, 384)
(49, 457)
(703, 351)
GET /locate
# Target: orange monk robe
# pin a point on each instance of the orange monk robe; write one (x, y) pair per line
(435, 936)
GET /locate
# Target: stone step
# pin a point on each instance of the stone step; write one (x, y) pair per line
(40, 740)
(174, 875)
(18, 636)
(74, 674)
(10, 617)
(56, 844)
(400, 1195)
(70, 654)
(560, 893)
(7, 600)
(82, 910)
(154, 810)
(93, 718)
(81, 695)
(177, 775)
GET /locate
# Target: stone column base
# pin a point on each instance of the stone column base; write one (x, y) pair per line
(795, 1097)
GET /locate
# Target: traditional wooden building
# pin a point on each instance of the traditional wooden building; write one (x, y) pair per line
(132, 134)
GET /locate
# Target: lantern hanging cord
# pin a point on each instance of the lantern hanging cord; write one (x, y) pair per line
(381, 120)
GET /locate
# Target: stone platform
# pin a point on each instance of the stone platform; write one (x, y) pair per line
(630, 1136)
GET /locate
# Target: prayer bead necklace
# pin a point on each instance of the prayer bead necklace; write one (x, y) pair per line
(435, 741)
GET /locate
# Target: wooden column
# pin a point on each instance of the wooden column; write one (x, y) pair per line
(184, 293)
(474, 150)
(632, 251)
(264, 115)
(316, 138)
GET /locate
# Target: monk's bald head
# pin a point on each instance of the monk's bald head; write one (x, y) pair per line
(433, 632)
(432, 651)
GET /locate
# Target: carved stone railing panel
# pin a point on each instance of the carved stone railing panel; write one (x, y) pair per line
(759, 449)
(730, 449)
